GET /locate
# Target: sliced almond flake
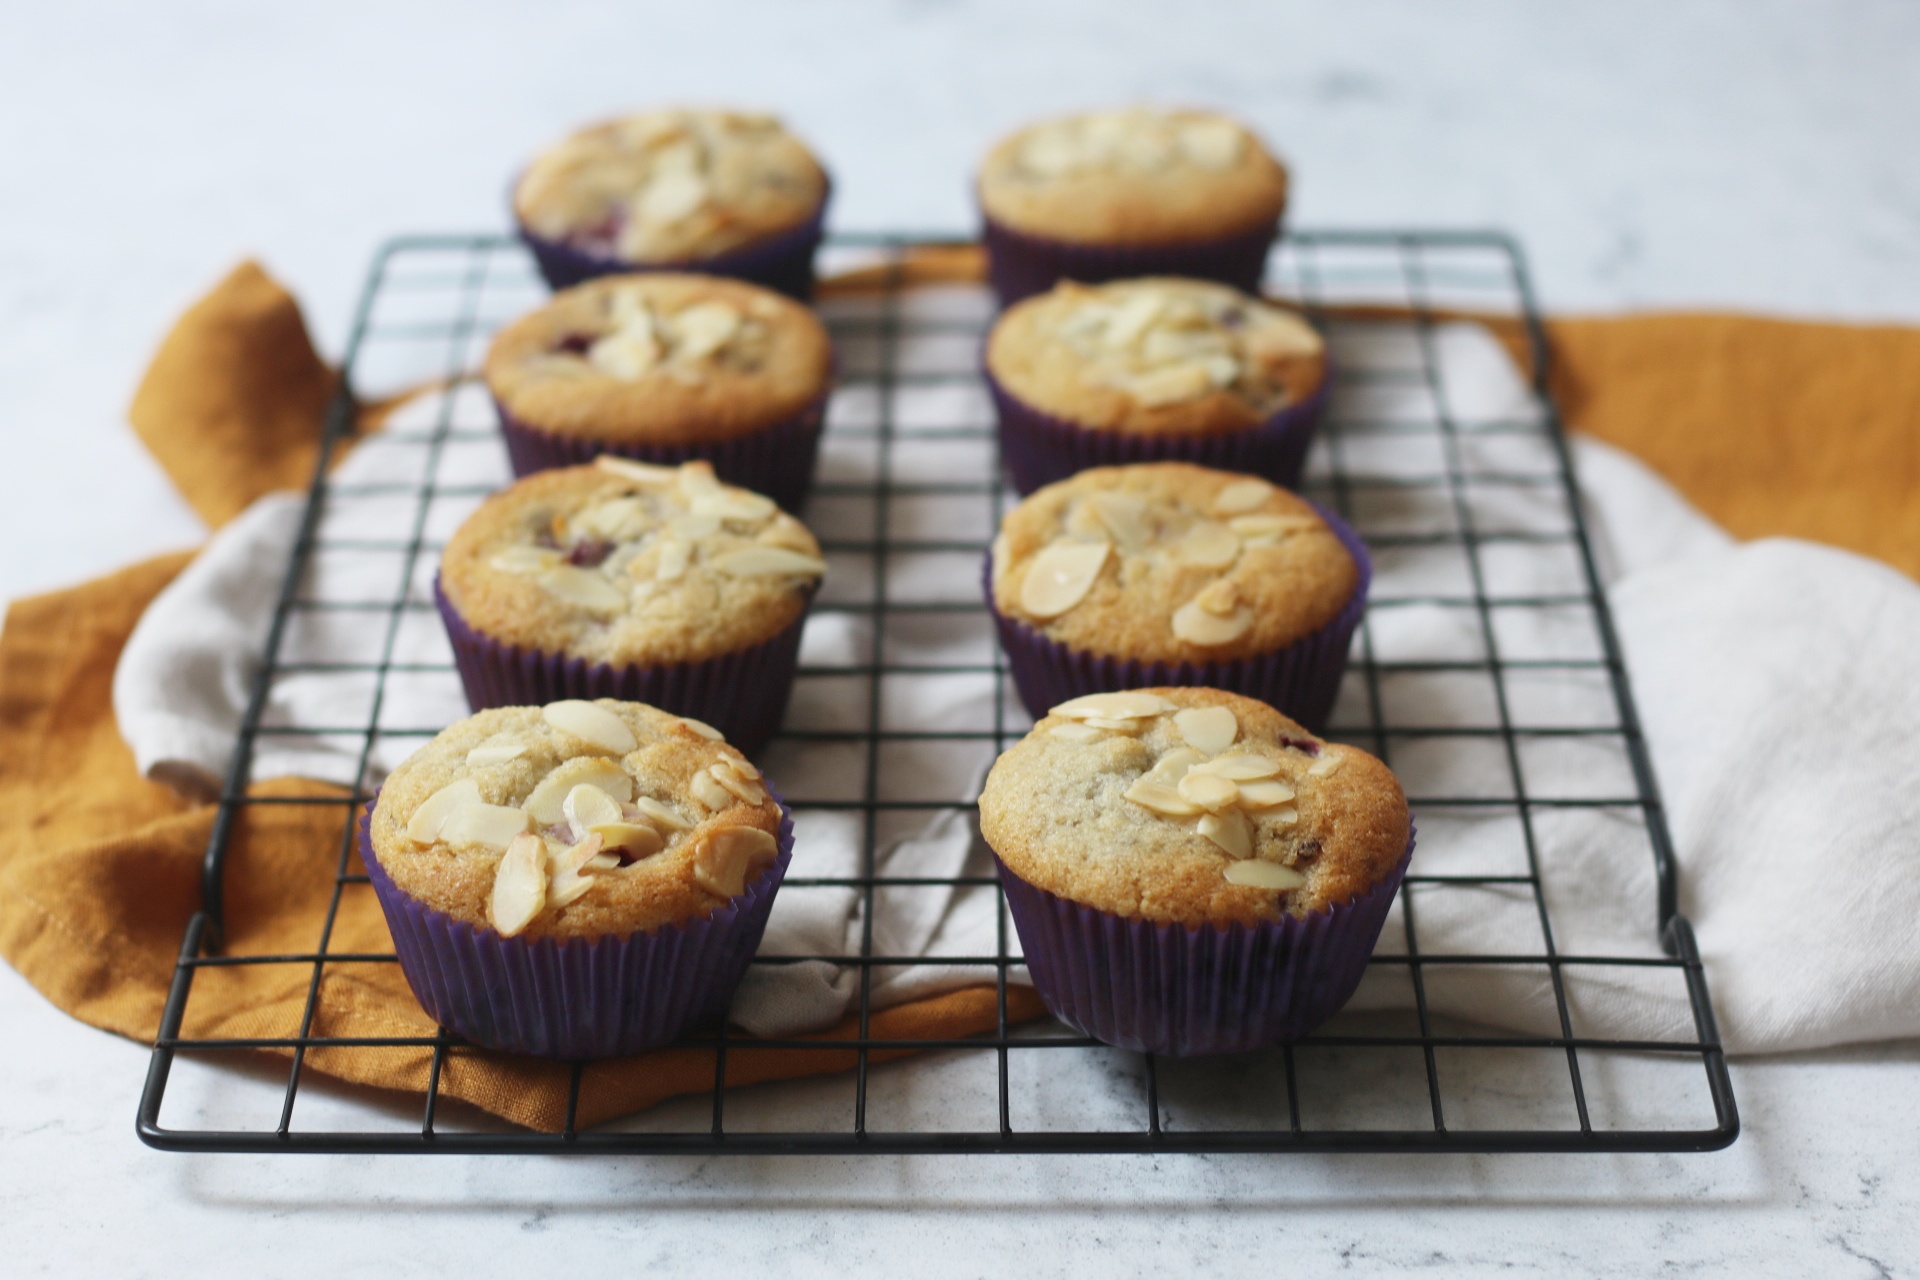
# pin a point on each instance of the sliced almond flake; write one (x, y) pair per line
(523, 559)
(670, 197)
(1128, 704)
(733, 504)
(1229, 830)
(1264, 795)
(491, 753)
(1276, 526)
(761, 561)
(1075, 731)
(787, 532)
(704, 729)
(1258, 873)
(1207, 729)
(519, 885)
(1140, 309)
(1170, 384)
(1323, 767)
(742, 766)
(547, 801)
(727, 858)
(1207, 545)
(1211, 144)
(661, 813)
(1241, 767)
(1197, 626)
(603, 862)
(1283, 817)
(587, 807)
(1240, 496)
(566, 878)
(626, 354)
(595, 726)
(1160, 798)
(1125, 517)
(1208, 790)
(491, 825)
(617, 520)
(1173, 766)
(643, 473)
(748, 791)
(670, 565)
(637, 839)
(588, 588)
(1220, 597)
(425, 824)
(696, 477)
(1060, 576)
(694, 527)
(1115, 725)
(703, 787)
(1222, 370)
(704, 328)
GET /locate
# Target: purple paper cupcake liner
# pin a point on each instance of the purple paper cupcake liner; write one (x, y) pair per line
(1020, 265)
(1165, 988)
(1301, 680)
(1037, 448)
(605, 998)
(743, 694)
(776, 460)
(782, 261)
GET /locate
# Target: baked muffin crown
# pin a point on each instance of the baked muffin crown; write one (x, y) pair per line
(1191, 806)
(672, 185)
(1156, 356)
(1133, 176)
(660, 358)
(575, 820)
(626, 563)
(1166, 561)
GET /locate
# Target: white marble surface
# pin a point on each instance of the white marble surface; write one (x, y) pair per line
(1648, 154)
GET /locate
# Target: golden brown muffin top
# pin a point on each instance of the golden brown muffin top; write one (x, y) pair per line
(630, 564)
(670, 186)
(1156, 356)
(1191, 806)
(1166, 561)
(661, 358)
(1133, 176)
(575, 820)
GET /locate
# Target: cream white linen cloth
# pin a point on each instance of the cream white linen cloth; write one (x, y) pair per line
(1778, 683)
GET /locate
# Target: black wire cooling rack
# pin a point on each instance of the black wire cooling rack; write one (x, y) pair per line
(1417, 486)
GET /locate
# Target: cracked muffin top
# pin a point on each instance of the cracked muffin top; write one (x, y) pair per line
(627, 563)
(662, 358)
(1167, 561)
(575, 820)
(671, 186)
(1192, 806)
(1134, 176)
(1156, 356)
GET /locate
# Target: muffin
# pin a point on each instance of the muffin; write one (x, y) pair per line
(1190, 871)
(625, 580)
(1150, 370)
(663, 368)
(1140, 191)
(1166, 573)
(726, 192)
(580, 880)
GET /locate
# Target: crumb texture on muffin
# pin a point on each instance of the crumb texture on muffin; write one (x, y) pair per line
(625, 563)
(671, 186)
(1192, 806)
(1133, 176)
(1156, 356)
(575, 820)
(1167, 561)
(665, 358)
